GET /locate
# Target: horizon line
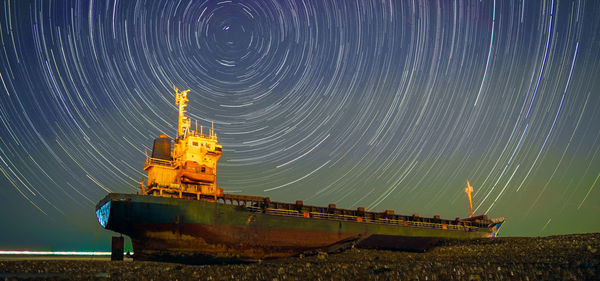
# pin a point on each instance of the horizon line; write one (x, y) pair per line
(58, 253)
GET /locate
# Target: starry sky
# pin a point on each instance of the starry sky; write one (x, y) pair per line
(380, 104)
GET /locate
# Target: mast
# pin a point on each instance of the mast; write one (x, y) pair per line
(468, 191)
(181, 100)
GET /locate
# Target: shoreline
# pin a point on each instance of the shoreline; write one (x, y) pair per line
(559, 257)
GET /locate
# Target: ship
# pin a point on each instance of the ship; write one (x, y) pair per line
(179, 214)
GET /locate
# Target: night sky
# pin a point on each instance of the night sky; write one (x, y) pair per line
(381, 104)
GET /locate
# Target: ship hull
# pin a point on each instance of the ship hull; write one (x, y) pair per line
(199, 231)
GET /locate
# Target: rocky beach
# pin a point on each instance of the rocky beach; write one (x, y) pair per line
(561, 257)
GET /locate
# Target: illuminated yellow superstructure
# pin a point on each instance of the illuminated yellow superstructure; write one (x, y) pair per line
(190, 170)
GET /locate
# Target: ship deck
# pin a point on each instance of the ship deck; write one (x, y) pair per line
(331, 212)
(259, 204)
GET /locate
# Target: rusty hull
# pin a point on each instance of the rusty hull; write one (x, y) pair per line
(196, 231)
(222, 243)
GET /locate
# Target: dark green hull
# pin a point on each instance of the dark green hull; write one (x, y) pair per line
(203, 231)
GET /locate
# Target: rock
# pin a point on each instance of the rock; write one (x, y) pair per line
(322, 255)
(381, 270)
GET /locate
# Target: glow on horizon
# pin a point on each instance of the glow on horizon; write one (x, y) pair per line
(57, 253)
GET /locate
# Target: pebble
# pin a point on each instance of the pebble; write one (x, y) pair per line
(503, 258)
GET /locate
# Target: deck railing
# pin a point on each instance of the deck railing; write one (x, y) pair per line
(263, 205)
(161, 162)
(339, 217)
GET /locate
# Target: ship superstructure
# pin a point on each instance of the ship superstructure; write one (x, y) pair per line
(190, 169)
(181, 215)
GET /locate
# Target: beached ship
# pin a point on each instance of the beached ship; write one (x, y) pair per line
(180, 214)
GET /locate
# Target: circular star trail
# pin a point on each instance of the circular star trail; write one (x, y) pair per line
(380, 104)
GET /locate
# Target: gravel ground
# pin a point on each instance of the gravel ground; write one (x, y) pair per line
(564, 257)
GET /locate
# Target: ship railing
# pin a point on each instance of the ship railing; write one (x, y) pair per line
(332, 216)
(283, 212)
(339, 217)
(422, 224)
(161, 162)
(205, 136)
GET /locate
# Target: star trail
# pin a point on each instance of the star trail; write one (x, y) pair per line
(379, 104)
